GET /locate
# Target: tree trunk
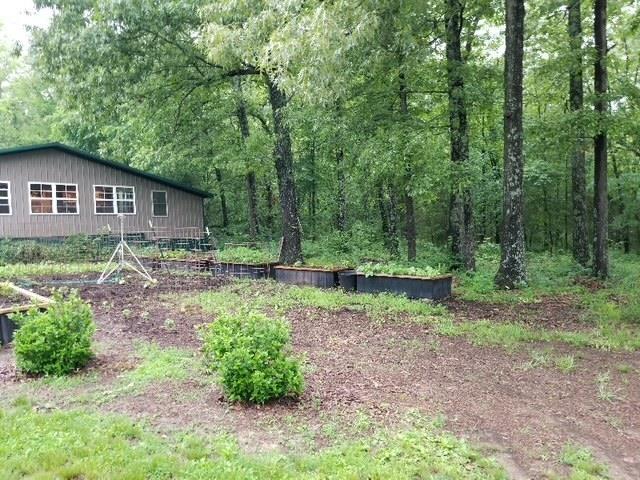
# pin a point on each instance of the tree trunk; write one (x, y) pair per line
(410, 226)
(388, 214)
(600, 248)
(409, 205)
(223, 199)
(313, 201)
(341, 218)
(512, 271)
(462, 226)
(394, 244)
(254, 228)
(291, 229)
(268, 219)
(578, 167)
(250, 177)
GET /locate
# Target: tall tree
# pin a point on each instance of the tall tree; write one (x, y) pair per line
(291, 250)
(463, 244)
(578, 168)
(250, 176)
(512, 272)
(409, 204)
(600, 247)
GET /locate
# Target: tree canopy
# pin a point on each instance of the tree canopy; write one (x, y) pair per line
(377, 119)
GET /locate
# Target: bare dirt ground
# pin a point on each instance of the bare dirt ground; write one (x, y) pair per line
(362, 369)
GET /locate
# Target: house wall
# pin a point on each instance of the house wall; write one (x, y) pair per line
(185, 210)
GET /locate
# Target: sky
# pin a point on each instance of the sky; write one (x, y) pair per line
(15, 16)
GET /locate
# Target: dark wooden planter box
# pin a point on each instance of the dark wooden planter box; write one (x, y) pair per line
(7, 327)
(348, 280)
(245, 270)
(318, 277)
(434, 288)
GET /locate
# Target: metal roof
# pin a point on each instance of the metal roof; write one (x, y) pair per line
(103, 161)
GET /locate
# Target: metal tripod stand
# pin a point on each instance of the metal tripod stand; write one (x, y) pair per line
(118, 260)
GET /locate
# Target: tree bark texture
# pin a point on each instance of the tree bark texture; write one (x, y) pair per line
(462, 224)
(512, 270)
(291, 251)
(601, 225)
(580, 241)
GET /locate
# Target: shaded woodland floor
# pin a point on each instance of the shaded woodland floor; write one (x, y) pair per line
(522, 405)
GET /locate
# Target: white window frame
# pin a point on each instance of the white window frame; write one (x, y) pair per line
(8, 197)
(54, 198)
(114, 200)
(166, 203)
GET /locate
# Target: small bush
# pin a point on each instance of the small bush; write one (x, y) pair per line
(250, 352)
(56, 341)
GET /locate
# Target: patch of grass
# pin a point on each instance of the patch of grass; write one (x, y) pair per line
(624, 368)
(606, 391)
(43, 269)
(81, 445)
(547, 274)
(511, 335)
(583, 465)
(157, 364)
(268, 295)
(565, 363)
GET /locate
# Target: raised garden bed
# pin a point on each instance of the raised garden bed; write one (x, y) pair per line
(348, 280)
(434, 288)
(14, 299)
(245, 270)
(318, 277)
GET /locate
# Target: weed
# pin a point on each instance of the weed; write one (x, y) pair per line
(565, 363)
(538, 359)
(583, 464)
(605, 391)
(624, 368)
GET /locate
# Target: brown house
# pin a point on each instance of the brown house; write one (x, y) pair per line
(54, 190)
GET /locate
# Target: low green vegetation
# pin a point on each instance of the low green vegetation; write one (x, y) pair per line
(75, 248)
(155, 365)
(268, 295)
(27, 270)
(74, 444)
(251, 354)
(548, 275)
(400, 268)
(56, 341)
(511, 335)
(242, 254)
(583, 465)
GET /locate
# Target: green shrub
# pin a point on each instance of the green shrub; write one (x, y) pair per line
(56, 341)
(250, 352)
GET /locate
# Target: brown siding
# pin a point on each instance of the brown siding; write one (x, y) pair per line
(185, 210)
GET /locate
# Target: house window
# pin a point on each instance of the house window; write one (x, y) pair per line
(111, 200)
(53, 198)
(5, 198)
(159, 200)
